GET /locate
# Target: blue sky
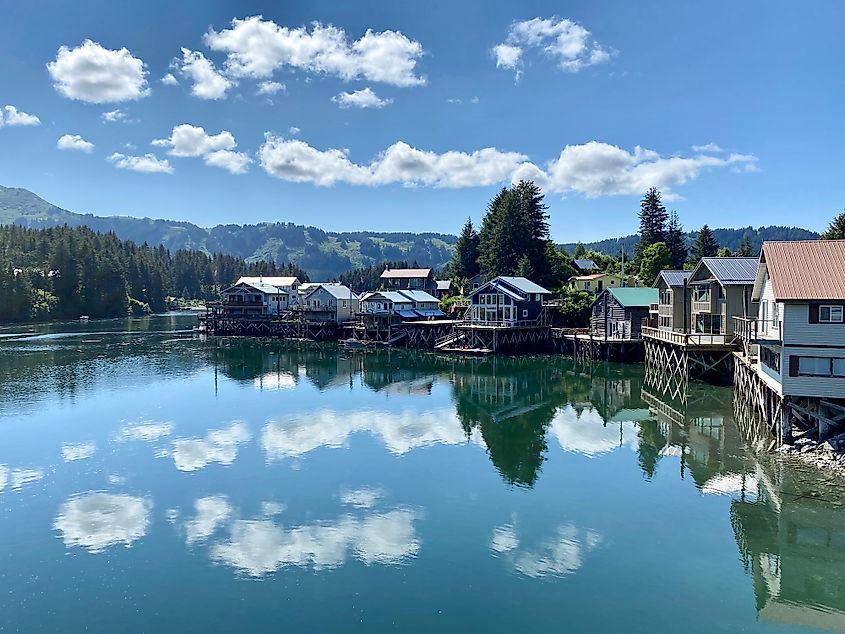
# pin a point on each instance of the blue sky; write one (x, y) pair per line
(732, 109)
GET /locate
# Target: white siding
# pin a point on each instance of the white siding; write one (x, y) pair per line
(768, 310)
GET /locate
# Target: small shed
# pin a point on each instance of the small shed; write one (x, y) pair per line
(618, 313)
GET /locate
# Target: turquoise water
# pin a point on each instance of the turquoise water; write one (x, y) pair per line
(151, 481)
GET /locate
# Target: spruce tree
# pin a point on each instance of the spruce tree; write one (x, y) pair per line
(676, 242)
(655, 258)
(746, 249)
(537, 221)
(836, 230)
(653, 219)
(705, 245)
(465, 258)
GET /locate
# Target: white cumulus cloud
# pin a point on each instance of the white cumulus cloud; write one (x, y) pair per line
(148, 163)
(74, 142)
(561, 555)
(149, 432)
(216, 149)
(256, 48)
(296, 161)
(169, 80)
(271, 88)
(591, 169)
(364, 98)
(96, 74)
(96, 521)
(9, 115)
(113, 116)
(567, 42)
(208, 83)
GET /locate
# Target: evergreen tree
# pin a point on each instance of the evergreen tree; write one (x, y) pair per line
(580, 251)
(836, 230)
(676, 242)
(705, 245)
(654, 259)
(465, 259)
(653, 219)
(724, 252)
(745, 249)
(516, 226)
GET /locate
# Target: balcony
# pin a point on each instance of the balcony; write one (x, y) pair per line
(703, 306)
(689, 340)
(665, 310)
(754, 331)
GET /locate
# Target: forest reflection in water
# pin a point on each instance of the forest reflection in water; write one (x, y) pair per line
(268, 405)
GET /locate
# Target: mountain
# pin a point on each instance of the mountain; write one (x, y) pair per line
(730, 238)
(324, 254)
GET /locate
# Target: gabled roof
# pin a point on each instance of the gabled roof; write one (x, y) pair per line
(524, 285)
(267, 289)
(338, 291)
(673, 278)
(584, 264)
(730, 270)
(443, 285)
(635, 297)
(519, 285)
(593, 276)
(808, 270)
(272, 281)
(404, 273)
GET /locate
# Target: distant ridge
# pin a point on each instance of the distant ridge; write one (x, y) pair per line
(324, 254)
(730, 238)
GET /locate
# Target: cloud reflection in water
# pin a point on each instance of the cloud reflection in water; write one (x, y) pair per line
(97, 520)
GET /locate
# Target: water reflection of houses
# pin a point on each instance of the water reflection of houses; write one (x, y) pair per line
(794, 546)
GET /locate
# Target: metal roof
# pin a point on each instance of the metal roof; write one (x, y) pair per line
(338, 291)
(404, 273)
(272, 281)
(585, 264)
(418, 296)
(635, 297)
(267, 289)
(731, 270)
(523, 285)
(443, 285)
(674, 278)
(806, 270)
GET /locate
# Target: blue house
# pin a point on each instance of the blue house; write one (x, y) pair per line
(506, 301)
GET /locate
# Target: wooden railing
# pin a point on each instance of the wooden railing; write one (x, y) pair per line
(688, 339)
(752, 330)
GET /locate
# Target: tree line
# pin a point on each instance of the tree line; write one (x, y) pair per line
(64, 272)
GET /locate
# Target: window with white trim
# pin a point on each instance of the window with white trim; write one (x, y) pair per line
(830, 314)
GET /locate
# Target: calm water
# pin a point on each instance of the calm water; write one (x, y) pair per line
(152, 482)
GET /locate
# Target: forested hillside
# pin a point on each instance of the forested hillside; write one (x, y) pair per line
(325, 254)
(65, 272)
(729, 238)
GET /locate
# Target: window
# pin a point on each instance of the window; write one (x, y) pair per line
(770, 358)
(586, 285)
(830, 314)
(525, 312)
(701, 294)
(817, 366)
(537, 297)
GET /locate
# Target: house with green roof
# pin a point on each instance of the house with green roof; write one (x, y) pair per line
(618, 313)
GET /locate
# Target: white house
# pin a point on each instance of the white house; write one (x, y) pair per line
(254, 299)
(289, 285)
(329, 302)
(801, 317)
(405, 303)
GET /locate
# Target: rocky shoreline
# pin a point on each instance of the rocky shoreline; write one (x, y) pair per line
(828, 455)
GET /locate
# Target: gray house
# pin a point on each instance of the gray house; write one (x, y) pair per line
(673, 300)
(720, 289)
(507, 300)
